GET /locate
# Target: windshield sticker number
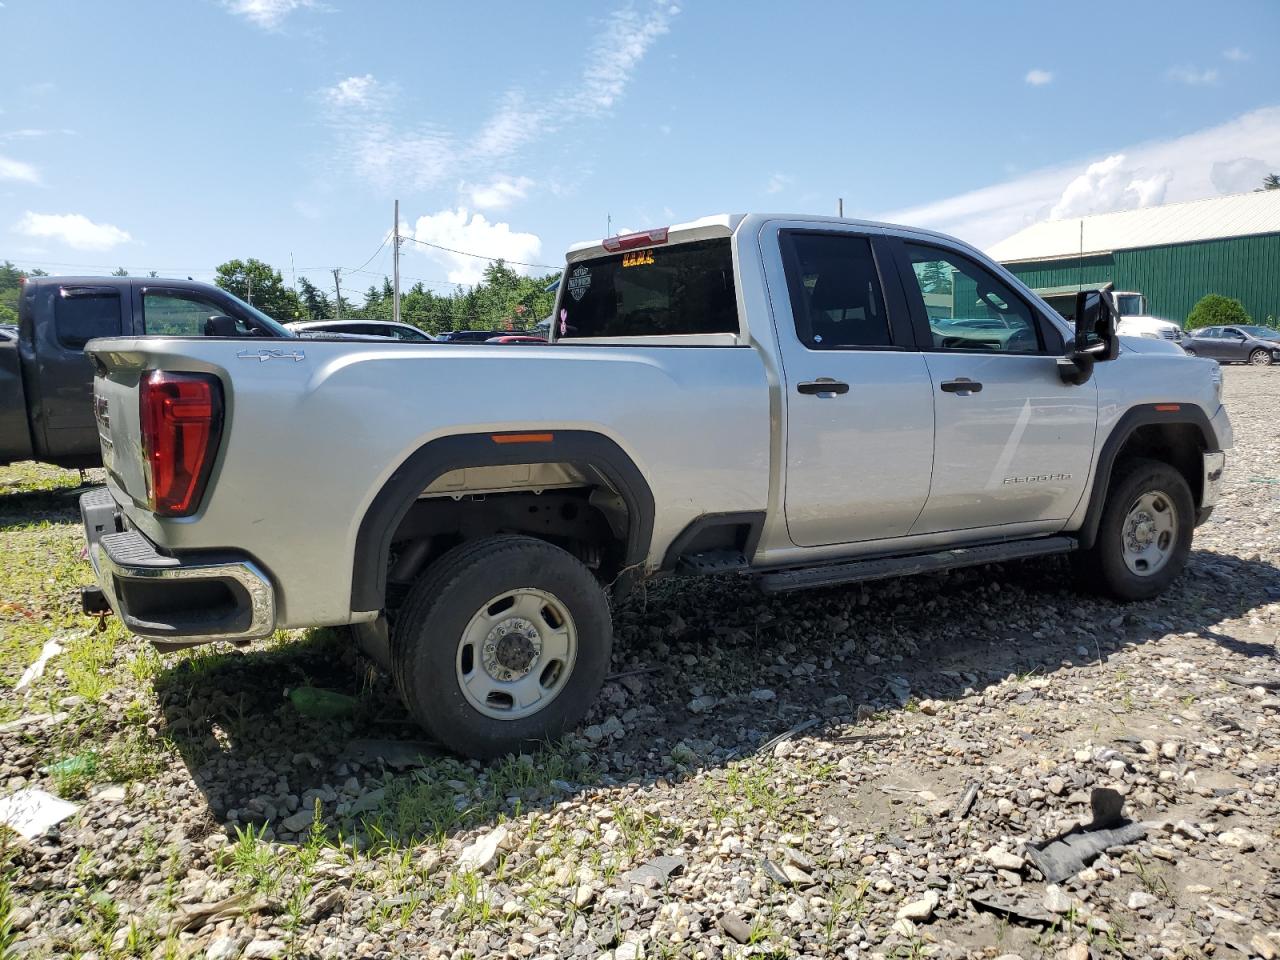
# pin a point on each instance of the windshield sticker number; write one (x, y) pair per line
(639, 258)
(579, 283)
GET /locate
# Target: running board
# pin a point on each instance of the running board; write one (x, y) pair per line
(855, 571)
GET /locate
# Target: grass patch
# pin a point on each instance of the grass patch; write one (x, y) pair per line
(448, 795)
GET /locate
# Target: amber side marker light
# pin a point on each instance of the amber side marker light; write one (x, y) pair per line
(1168, 407)
(522, 437)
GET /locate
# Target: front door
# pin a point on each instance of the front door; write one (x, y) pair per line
(858, 400)
(1014, 443)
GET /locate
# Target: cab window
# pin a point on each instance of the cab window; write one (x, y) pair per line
(81, 314)
(179, 314)
(836, 298)
(969, 307)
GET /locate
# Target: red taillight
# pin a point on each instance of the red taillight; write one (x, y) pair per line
(181, 424)
(629, 241)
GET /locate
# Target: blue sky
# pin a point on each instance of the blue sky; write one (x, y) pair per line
(176, 134)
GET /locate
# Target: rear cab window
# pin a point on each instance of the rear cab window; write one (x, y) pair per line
(685, 289)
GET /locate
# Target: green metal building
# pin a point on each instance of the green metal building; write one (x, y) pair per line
(1175, 254)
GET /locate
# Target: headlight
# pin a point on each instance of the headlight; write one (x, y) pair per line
(1215, 377)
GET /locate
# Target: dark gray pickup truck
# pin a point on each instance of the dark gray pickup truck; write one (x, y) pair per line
(46, 380)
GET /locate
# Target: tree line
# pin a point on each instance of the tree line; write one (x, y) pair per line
(502, 300)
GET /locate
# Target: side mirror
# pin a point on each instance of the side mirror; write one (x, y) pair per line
(1095, 339)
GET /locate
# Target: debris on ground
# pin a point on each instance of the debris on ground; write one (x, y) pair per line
(32, 812)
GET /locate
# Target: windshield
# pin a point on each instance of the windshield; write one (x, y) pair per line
(1131, 304)
(1262, 333)
(659, 291)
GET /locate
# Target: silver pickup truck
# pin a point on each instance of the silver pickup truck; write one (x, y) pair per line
(800, 400)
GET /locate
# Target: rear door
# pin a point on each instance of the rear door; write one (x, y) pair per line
(63, 404)
(1014, 444)
(858, 401)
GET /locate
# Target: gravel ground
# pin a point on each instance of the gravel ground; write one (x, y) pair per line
(856, 772)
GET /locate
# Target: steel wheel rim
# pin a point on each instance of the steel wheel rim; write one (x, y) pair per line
(1149, 533)
(516, 654)
(1260, 358)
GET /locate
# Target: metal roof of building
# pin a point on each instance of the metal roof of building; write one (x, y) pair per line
(1236, 215)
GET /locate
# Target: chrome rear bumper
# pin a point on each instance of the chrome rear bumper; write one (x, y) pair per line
(174, 601)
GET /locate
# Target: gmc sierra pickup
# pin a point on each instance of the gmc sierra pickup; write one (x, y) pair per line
(46, 381)
(799, 400)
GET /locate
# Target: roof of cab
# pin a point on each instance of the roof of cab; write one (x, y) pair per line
(724, 224)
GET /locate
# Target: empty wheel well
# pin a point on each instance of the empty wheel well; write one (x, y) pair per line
(575, 489)
(589, 522)
(1178, 444)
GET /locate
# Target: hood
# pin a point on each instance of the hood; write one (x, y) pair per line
(1150, 345)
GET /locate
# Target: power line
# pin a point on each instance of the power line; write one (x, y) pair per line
(375, 253)
(480, 256)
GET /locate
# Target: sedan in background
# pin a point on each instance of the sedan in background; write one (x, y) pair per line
(361, 328)
(1238, 344)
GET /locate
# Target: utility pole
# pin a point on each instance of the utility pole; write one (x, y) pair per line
(293, 270)
(608, 224)
(840, 206)
(337, 289)
(395, 266)
(249, 280)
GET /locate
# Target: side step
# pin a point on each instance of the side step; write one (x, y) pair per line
(712, 562)
(855, 571)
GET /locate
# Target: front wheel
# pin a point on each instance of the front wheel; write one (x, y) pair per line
(1144, 535)
(502, 644)
(1260, 358)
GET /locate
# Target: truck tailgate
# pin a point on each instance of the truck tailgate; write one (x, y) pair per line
(116, 409)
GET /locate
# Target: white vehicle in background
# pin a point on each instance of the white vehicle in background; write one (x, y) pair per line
(1134, 321)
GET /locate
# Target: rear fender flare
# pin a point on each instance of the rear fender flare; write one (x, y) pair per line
(578, 447)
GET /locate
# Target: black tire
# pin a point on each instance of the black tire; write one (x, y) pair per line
(1102, 568)
(1260, 358)
(431, 624)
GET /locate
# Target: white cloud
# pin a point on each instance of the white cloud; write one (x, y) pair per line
(777, 183)
(1038, 78)
(1239, 175)
(465, 232)
(380, 146)
(74, 229)
(500, 192)
(267, 14)
(1193, 76)
(353, 91)
(1109, 185)
(11, 169)
(618, 51)
(1197, 165)
(1236, 55)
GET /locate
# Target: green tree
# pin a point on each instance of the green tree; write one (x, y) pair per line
(7, 315)
(119, 272)
(1215, 310)
(261, 285)
(315, 302)
(1270, 182)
